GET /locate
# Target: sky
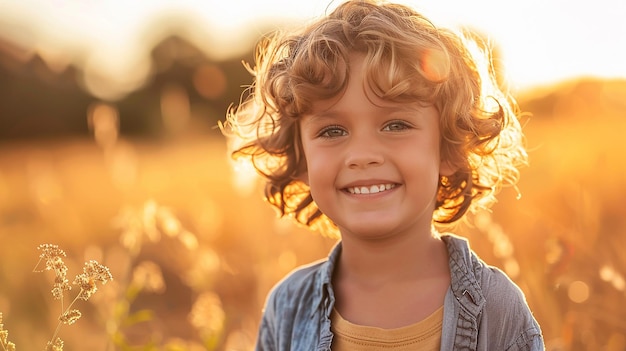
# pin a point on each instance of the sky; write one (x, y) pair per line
(541, 41)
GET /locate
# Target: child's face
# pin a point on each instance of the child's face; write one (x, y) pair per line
(372, 168)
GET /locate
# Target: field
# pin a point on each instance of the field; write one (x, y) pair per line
(193, 249)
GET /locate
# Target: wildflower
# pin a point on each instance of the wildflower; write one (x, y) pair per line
(60, 285)
(4, 338)
(52, 256)
(56, 346)
(70, 317)
(50, 252)
(92, 272)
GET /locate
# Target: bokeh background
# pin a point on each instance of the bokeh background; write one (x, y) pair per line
(109, 148)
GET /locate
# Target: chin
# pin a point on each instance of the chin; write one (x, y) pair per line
(366, 230)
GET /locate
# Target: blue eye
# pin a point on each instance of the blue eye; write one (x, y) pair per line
(332, 132)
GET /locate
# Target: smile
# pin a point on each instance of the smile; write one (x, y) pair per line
(372, 189)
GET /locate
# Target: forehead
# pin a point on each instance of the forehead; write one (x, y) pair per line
(361, 91)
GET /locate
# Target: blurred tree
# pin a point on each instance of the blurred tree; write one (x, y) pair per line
(39, 102)
(36, 101)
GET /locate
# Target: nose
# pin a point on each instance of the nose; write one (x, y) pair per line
(363, 152)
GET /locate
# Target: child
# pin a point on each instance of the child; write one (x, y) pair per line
(374, 122)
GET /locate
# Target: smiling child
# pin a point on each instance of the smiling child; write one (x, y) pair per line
(376, 124)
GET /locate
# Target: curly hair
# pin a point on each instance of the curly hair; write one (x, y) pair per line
(407, 59)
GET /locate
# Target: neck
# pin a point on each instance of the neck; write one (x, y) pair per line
(408, 257)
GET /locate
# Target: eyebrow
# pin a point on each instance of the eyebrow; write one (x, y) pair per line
(317, 118)
(331, 113)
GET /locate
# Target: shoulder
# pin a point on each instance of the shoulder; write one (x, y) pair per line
(291, 305)
(302, 278)
(506, 307)
(301, 287)
(490, 281)
(505, 312)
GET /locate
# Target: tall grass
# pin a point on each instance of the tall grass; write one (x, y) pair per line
(194, 250)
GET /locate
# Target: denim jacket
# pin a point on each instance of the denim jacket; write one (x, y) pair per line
(483, 308)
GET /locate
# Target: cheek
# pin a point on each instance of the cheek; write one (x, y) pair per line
(314, 171)
(320, 170)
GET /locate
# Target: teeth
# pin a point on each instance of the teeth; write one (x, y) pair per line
(371, 189)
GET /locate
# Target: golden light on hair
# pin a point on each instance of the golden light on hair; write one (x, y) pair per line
(435, 65)
(413, 61)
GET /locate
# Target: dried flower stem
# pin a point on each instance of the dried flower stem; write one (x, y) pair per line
(92, 273)
(56, 331)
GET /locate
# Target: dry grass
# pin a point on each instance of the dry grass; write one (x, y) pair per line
(67, 193)
(560, 242)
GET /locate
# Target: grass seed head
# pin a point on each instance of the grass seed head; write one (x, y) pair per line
(57, 345)
(70, 317)
(92, 273)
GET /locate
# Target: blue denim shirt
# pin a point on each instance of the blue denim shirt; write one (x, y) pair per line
(483, 308)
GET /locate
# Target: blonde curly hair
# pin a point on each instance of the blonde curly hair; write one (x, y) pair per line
(407, 59)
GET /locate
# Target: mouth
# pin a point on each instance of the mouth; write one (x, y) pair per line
(370, 189)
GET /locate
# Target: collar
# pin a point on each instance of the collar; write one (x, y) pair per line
(326, 296)
(463, 276)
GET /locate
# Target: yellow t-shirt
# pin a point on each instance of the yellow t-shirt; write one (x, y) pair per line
(424, 335)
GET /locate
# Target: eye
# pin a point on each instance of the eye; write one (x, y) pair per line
(332, 132)
(394, 126)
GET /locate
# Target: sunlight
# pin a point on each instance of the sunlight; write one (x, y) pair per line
(578, 291)
(245, 177)
(540, 42)
(544, 41)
